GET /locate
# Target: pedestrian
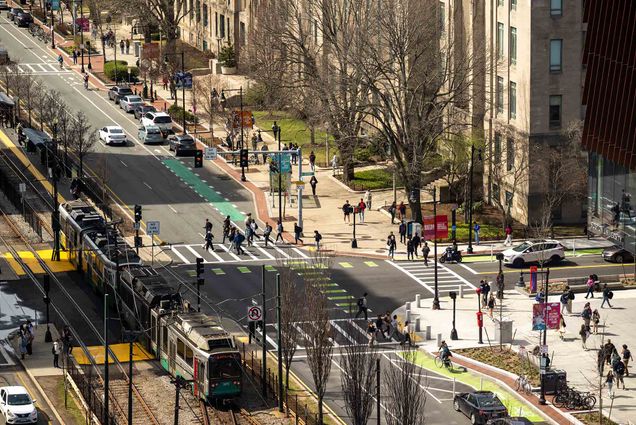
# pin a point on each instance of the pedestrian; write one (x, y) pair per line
(571, 297)
(254, 230)
(627, 356)
(122, 45)
(346, 209)
(607, 296)
(583, 333)
(238, 240)
(508, 231)
(491, 305)
(394, 326)
(410, 249)
(165, 82)
(297, 234)
(485, 290)
(231, 237)
(56, 350)
(402, 211)
(23, 344)
(609, 381)
(391, 244)
(361, 207)
(596, 318)
(368, 197)
(75, 56)
(379, 325)
(362, 306)
(590, 286)
(426, 250)
(279, 232)
(406, 333)
(619, 371)
(312, 161)
(208, 226)
(600, 360)
(317, 239)
(562, 327)
(586, 314)
(313, 182)
(500, 285)
(334, 165)
(208, 241)
(371, 332)
(393, 211)
(127, 46)
(226, 228)
(608, 350)
(267, 232)
(402, 231)
(564, 298)
(416, 243)
(476, 229)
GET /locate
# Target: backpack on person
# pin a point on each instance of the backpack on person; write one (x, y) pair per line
(564, 298)
(318, 237)
(619, 368)
(360, 302)
(610, 295)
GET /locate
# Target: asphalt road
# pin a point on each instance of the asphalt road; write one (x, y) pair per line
(14, 375)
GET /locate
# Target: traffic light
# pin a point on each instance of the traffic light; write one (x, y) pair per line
(137, 213)
(199, 267)
(200, 281)
(243, 158)
(198, 159)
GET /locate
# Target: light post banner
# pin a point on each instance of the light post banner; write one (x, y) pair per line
(435, 227)
(545, 315)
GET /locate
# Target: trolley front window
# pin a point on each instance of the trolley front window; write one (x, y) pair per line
(226, 367)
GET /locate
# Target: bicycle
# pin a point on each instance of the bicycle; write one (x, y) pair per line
(439, 362)
(523, 384)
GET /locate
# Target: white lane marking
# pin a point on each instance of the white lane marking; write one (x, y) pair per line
(299, 252)
(147, 185)
(283, 253)
(173, 210)
(218, 258)
(123, 163)
(196, 254)
(460, 278)
(425, 388)
(468, 268)
(415, 278)
(265, 252)
(335, 325)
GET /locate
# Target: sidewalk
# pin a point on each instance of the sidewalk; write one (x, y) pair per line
(567, 355)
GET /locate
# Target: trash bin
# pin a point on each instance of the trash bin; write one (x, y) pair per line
(137, 48)
(503, 332)
(554, 379)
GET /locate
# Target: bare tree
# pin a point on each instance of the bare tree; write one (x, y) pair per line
(208, 105)
(404, 390)
(359, 378)
(318, 333)
(65, 127)
(84, 137)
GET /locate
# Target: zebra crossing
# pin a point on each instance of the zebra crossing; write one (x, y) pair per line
(222, 253)
(43, 68)
(447, 280)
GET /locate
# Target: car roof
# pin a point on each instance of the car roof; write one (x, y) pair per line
(113, 127)
(152, 127)
(133, 95)
(15, 389)
(159, 114)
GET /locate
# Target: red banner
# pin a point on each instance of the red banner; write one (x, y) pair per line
(434, 230)
(238, 119)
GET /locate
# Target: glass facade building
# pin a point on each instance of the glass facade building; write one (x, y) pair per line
(612, 201)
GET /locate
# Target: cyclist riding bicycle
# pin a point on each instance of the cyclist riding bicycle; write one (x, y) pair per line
(445, 353)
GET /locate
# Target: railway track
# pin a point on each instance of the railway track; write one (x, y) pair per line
(231, 416)
(142, 413)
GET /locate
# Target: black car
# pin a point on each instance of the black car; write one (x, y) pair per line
(141, 110)
(11, 14)
(23, 19)
(516, 420)
(480, 406)
(117, 92)
(180, 143)
(616, 254)
(4, 5)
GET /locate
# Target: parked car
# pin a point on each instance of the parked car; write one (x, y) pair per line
(536, 251)
(23, 19)
(180, 143)
(4, 56)
(11, 14)
(150, 134)
(4, 5)
(117, 92)
(616, 254)
(160, 119)
(480, 406)
(112, 135)
(130, 102)
(17, 406)
(141, 110)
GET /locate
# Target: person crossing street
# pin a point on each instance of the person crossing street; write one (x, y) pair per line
(208, 241)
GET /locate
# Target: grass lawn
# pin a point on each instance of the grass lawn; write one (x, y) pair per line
(297, 131)
(72, 409)
(487, 232)
(379, 178)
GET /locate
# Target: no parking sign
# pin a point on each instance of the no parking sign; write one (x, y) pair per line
(255, 313)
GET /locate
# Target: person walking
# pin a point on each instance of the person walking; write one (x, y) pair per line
(608, 350)
(56, 350)
(362, 307)
(590, 286)
(491, 305)
(402, 211)
(393, 211)
(391, 244)
(122, 45)
(586, 314)
(238, 240)
(627, 357)
(607, 296)
(279, 232)
(609, 382)
(410, 249)
(264, 150)
(485, 289)
(312, 161)
(368, 198)
(426, 250)
(208, 226)
(334, 165)
(394, 326)
(227, 223)
(267, 232)
(317, 239)
(346, 210)
(476, 229)
(74, 57)
(406, 334)
(208, 241)
(583, 333)
(508, 241)
(361, 207)
(297, 234)
(619, 371)
(571, 297)
(416, 243)
(596, 318)
(371, 332)
(402, 231)
(562, 327)
(313, 183)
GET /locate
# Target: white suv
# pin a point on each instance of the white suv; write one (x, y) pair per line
(160, 119)
(537, 251)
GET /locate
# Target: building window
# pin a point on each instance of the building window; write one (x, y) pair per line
(556, 7)
(242, 33)
(513, 4)
(555, 55)
(205, 45)
(229, 31)
(500, 94)
(512, 106)
(442, 16)
(221, 26)
(198, 10)
(496, 193)
(500, 3)
(509, 200)
(216, 24)
(205, 15)
(555, 111)
(500, 36)
(497, 148)
(513, 46)
(191, 3)
(510, 154)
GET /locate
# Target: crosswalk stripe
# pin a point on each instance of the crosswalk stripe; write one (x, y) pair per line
(299, 252)
(346, 265)
(283, 253)
(247, 251)
(264, 251)
(226, 249)
(196, 254)
(411, 274)
(346, 335)
(181, 257)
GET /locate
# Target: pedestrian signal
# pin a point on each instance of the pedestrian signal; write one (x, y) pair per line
(243, 158)
(198, 159)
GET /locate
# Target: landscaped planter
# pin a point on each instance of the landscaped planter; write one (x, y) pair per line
(228, 70)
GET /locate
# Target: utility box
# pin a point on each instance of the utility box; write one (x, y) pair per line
(413, 228)
(553, 380)
(503, 331)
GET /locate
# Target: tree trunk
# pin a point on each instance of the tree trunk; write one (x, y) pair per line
(320, 414)
(287, 378)
(416, 209)
(312, 137)
(348, 169)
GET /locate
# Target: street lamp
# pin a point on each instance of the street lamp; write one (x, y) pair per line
(54, 173)
(165, 60)
(241, 146)
(470, 197)
(544, 357)
(480, 316)
(46, 284)
(52, 28)
(277, 131)
(453, 334)
(500, 278)
(354, 241)
(81, 2)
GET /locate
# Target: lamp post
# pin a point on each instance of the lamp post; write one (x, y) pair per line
(46, 284)
(470, 197)
(480, 321)
(81, 2)
(129, 71)
(242, 144)
(453, 334)
(52, 28)
(354, 241)
(436, 305)
(544, 356)
(276, 131)
(132, 337)
(165, 60)
(54, 173)
(500, 278)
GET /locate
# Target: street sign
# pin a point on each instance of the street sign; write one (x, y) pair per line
(22, 187)
(255, 313)
(209, 154)
(152, 228)
(543, 349)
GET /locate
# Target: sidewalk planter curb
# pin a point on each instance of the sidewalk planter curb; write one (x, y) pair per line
(228, 70)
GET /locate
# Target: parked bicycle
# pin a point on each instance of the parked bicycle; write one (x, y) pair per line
(572, 399)
(523, 384)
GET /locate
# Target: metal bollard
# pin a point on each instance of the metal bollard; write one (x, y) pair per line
(427, 334)
(453, 387)
(439, 340)
(417, 301)
(481, 383)
(407, 306)
(407, 316)
(417, 325)
(461, 291)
